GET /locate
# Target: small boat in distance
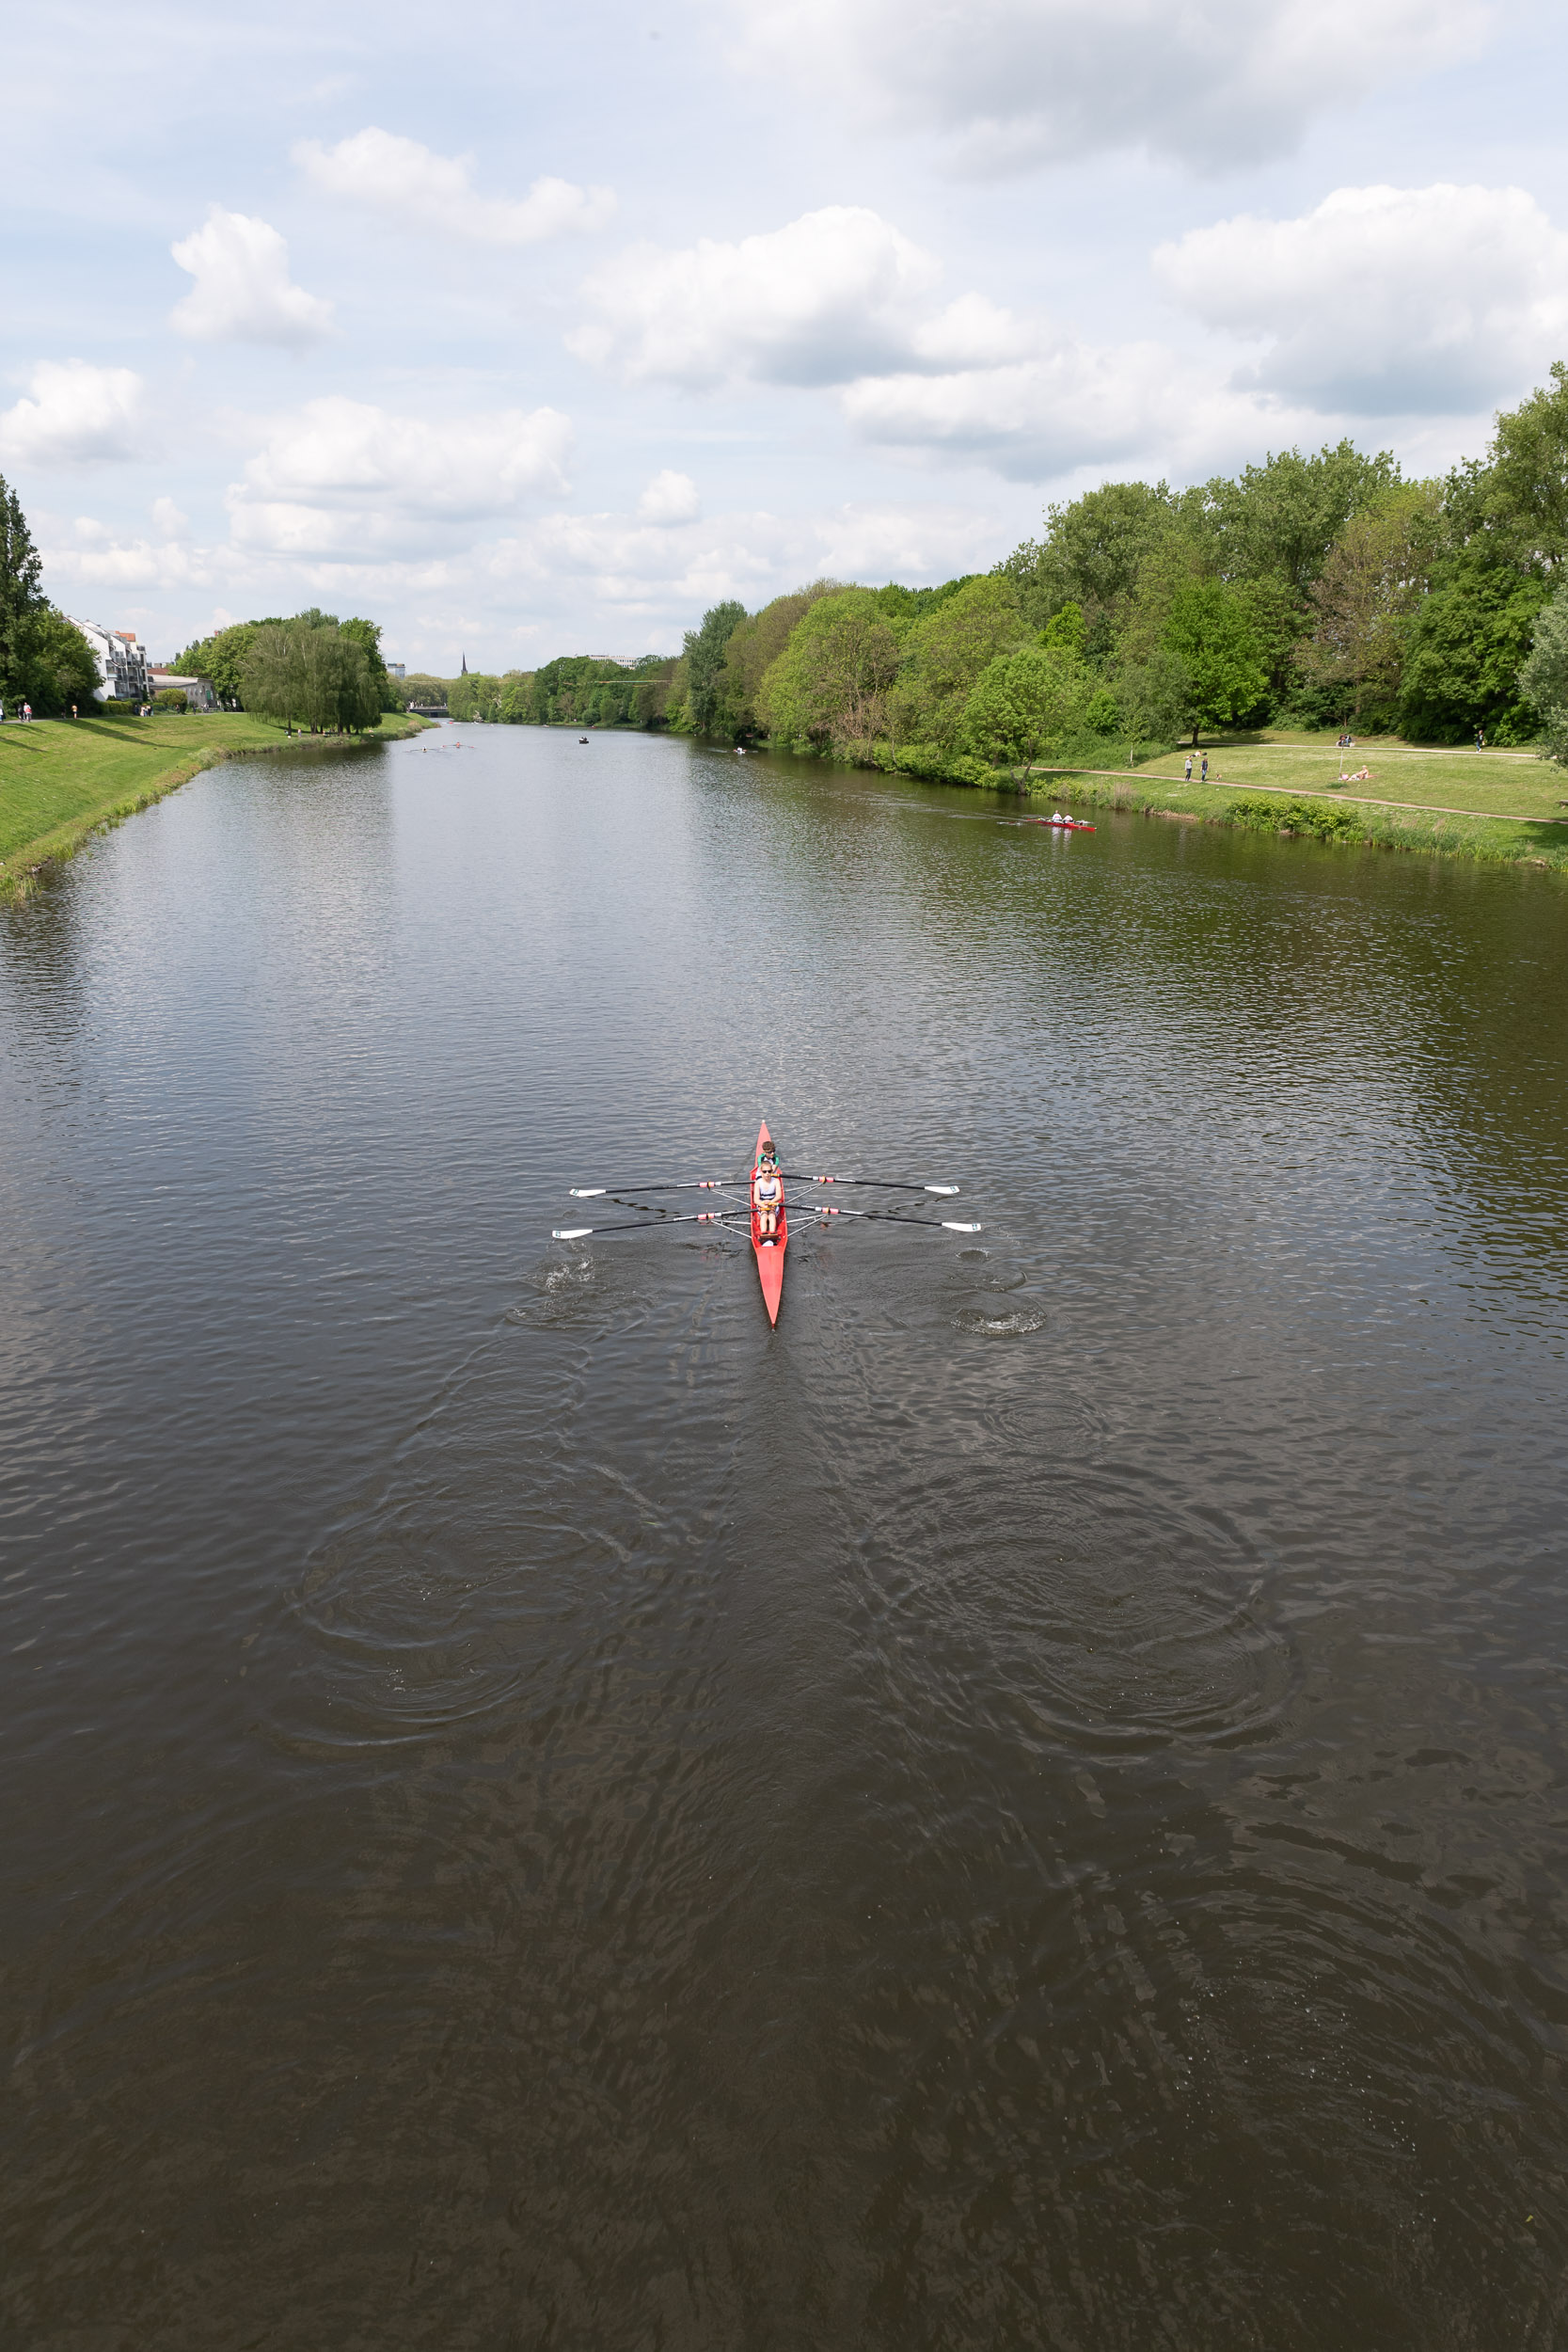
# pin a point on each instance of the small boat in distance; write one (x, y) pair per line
(1061, 824)
(769, 1251)
(583, 739)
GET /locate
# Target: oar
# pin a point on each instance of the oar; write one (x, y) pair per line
(883, 1216)
(635, 1225)
(699, 1183)
(882, 1184)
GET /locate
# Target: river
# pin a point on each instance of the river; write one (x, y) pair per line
(1023, 1807)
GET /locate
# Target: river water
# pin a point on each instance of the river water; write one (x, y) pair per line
(1023, 1807)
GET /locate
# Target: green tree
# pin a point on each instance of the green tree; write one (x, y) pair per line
(307, 670)
(1374, 577)
(1519, 499)
(1092, 555)
(55, 664)
(368, 634)
(1154, 697)
(1023, 704)
(753, 646)
(704, 661)
(21, 589)
(1466, 645)
(222, 657)
(1544, 680)
(830, 686)
(1067, 631)
(946, 653)
(1283, 516)
(1209, 634)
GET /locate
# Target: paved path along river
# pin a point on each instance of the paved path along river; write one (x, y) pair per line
(1024, 1807)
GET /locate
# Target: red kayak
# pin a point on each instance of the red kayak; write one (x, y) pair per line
(771, 1253)
(1060, 825)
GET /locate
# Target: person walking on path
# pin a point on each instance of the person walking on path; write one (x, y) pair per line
(1189, 767)
(26, 713)
(1203, 772)
(1481, 738)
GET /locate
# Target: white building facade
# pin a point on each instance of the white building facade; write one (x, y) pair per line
(122, 660)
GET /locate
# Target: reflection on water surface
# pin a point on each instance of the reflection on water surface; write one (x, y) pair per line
(1022, 1807)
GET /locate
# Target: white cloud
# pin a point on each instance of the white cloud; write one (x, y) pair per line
(670, 497)
(242, 291)
(168, 521)
(94, 557)
(1384, 301)
(1014, 83)
(338, 475)
(434, 194)
(816, 302)
(77, 416)
(633, 567)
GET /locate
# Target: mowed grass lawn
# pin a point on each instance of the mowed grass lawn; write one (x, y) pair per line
(60, 777)
(1492, 784)
(63, 771)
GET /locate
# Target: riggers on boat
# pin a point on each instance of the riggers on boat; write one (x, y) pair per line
(769, 1249)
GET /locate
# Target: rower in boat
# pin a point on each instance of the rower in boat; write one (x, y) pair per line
(767, 1193)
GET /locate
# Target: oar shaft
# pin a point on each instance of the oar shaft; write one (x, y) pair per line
(885, 1217)
(879, 1184)
(698, 1183)
(635, 1225)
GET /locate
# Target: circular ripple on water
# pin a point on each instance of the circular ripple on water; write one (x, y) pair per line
(403, 1644)
(1088, 1604)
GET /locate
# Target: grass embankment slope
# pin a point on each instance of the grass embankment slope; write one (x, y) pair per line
(1494, 804)
(63, 779)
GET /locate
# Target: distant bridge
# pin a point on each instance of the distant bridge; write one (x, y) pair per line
(428, 710)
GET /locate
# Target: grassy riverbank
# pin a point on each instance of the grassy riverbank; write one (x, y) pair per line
(63, 780)
(1496, 805)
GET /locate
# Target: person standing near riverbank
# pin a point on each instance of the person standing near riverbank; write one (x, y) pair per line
(1203, 773)
(1189, 775)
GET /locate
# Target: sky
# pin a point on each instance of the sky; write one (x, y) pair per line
(528, 331)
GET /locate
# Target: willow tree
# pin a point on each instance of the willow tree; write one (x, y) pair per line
(315, 676)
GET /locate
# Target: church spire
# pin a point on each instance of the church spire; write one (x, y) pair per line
(465, 669)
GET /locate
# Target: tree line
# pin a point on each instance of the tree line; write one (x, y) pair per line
(1320, 591)
(576, 690)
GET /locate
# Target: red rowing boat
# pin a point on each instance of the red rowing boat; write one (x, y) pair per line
(771, 1253)
(1060, 825)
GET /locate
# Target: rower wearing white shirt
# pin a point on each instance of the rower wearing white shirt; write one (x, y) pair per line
(767, 1192)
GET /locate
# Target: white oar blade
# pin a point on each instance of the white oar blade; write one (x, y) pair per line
(587, 1192)
(948, 1227)
(942, 1188)
(570, 1232)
